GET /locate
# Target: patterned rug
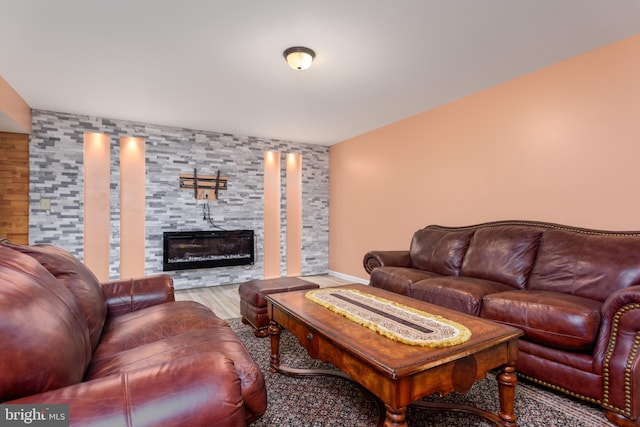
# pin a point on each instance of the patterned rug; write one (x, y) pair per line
(328, 401)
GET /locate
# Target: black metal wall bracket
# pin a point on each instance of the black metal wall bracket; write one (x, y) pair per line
(205, 187)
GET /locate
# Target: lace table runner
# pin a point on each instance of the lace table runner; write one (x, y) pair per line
(390, 319)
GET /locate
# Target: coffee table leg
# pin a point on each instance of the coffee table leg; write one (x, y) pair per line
(274, 335)
(395, 417)
(507, 380)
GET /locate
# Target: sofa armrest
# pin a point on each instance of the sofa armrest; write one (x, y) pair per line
(616, 354)
(126, 296)
(202, 390)
(373, 259)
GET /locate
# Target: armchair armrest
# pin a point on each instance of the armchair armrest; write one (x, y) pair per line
(126, 296)
(202, 390)
(616, 354)
(373, 259)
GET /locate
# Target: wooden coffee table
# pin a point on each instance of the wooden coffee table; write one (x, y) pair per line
(398, 374)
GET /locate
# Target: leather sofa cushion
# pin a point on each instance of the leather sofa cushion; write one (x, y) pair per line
(398, 279)
(168, 333)
(458, 293)
(502, 254)
(587, 265)
(45, 339)
(553, 319)
(153, 324)
(191, 343)
(78, 279)
(439, 251)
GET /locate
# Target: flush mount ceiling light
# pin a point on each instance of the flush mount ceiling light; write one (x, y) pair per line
(298, 57)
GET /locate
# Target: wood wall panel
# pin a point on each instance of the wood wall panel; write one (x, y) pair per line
(14, 187)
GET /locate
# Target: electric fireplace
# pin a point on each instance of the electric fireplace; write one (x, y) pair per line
(184, 250)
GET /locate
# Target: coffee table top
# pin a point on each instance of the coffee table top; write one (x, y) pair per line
(392, 358)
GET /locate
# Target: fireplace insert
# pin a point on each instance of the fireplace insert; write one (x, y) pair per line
(183, 250)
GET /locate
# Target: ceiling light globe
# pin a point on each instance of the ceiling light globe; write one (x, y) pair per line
(299, 58)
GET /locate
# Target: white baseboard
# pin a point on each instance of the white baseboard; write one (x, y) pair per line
(353, 279)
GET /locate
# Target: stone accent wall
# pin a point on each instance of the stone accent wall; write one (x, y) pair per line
(56, 173)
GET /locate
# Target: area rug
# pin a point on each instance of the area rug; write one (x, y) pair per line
(329, 401)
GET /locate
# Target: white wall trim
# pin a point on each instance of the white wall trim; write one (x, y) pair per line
(353, 279)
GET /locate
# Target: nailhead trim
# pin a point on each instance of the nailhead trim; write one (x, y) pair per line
(626, 411)
(560, 389)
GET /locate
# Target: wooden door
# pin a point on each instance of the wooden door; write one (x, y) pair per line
(14, 187)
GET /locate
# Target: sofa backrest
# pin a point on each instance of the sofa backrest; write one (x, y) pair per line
(503, 253)
(78, 279)
(533, 255)
(44, 338)
(439, 250)
(586, 263)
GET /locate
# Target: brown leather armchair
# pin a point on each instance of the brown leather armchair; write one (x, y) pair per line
(121, 353)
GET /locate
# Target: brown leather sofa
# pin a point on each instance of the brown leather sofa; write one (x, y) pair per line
(122, 353)
(574, 292)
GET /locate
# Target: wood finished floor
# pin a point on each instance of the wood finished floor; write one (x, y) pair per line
(225, 301)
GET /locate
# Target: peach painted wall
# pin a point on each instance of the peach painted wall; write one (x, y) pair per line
(561, 144)
(294, 214)
(132, 207)
(271, 214)
(15, 114)
(97, 219)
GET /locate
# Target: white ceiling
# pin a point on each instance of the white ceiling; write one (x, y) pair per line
(217, 64)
